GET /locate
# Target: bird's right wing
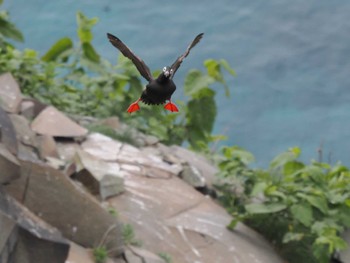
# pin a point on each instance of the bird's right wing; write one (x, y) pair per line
(139, 63)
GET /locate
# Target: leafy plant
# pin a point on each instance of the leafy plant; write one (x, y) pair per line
(302, 209)
(7, 29)
(167, 258)
(100, 254)
(129, 236)
(113, 211)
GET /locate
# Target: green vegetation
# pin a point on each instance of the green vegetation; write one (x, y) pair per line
(129, 236)
(302, 209)
(113, 211)
(100, 254)
(167, 258)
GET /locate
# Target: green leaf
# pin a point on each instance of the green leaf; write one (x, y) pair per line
(9, 30)
(233, 224)
(214, 69)
(195, 81)
(290, 236)
(90, 53)
(201, 113)
(292, 167)
(283, 158)
(84, 27)
(58, 49)
(319, 202)
(258, 188)
(347, 202)
(226, 66)
(264, 208)
(234, 152)
(302, 213)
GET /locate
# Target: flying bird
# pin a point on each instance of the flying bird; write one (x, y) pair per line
(158, 90)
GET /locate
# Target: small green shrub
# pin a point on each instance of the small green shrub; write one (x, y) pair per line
(113, 211)
(302, 209)
(129, 236)
(100, 254)
(167, 258)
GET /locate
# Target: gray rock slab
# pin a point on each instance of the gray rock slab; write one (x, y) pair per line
(151, 164)
(47, 146)
(169, 216)
(10, 94)
(136, 254)
(8, 133)
(28, 239)
(9, 166)
(102, 147)
(191, 175)
(107, 149)
(26, 138)
(30, 108)
(112, 122)
(67, 150)
(8, 237)
(52, 196)
(79, 254)
(100, 177)
(203, 165)
(27, 109)
(52, 122)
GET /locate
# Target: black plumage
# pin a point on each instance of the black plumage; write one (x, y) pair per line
(158, 90)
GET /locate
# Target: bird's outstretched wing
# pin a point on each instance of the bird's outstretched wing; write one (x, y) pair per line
(179, 60)
(139, 63)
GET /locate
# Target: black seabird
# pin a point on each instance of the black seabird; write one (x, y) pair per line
(158, 90)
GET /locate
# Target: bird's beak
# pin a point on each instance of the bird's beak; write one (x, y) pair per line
(167, 73)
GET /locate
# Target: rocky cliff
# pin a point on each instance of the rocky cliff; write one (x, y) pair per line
(70, 195)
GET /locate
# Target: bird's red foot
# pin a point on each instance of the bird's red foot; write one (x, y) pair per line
(171, 107)
(133, 107)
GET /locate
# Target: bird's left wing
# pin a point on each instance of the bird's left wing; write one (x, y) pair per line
(139, 63)
(179, 60)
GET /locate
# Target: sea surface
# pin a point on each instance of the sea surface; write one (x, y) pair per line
(292, 60)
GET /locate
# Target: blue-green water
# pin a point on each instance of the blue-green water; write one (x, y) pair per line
(292, 60)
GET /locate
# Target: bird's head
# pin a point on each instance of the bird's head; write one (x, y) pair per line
(167, 72)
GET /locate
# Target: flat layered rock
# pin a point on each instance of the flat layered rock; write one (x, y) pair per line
(52, 196)
(30, 108)
(169, 216)
(52, 122)
(9, 166)
(8, 133)
(47, 146)
(140, 255)
(10, 94)
(26, 237)
(26, 138)
(101, 178)
(206, 169)
(102, 147)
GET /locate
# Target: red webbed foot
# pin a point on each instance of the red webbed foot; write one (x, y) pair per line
(134, 106)
(171, 107)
